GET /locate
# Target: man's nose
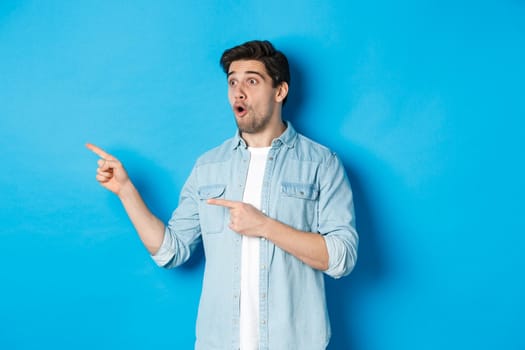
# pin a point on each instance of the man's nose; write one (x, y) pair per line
(239, 93)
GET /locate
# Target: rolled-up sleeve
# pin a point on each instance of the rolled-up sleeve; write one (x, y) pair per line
(165, 253)
(342, 255)
(337, 219)
(182, 233)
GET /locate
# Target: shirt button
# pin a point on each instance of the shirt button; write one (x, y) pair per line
(263, 267)
(271, 158)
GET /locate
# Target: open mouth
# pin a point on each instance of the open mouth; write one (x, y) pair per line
(240, 110)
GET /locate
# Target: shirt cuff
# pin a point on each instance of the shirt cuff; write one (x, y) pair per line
(166, 251)
(337, 257)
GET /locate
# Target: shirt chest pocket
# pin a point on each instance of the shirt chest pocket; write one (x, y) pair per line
(298, 205)
(211, 217)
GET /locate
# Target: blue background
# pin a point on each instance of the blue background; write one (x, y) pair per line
(423, 101)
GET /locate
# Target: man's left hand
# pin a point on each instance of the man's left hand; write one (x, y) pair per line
(245, 219)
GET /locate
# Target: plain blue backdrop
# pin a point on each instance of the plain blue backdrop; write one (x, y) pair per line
(422, 100)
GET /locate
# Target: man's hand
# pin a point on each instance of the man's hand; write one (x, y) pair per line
(110, 172)
(245, 219)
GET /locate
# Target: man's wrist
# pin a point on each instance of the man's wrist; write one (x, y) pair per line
(268, 228)
(127, 191)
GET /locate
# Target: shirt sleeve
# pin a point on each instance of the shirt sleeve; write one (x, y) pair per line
(182, 233)
(337, 219)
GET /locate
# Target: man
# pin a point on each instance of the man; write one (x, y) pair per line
(273, 209)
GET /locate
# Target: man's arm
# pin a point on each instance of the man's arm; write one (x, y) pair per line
(309, 247)
(247, 220)
(332, 250)
(112, 176)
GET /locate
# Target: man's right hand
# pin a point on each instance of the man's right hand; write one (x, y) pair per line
(112, 175)
(110, 172)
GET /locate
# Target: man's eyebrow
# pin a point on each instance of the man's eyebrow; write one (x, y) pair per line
(249, 72)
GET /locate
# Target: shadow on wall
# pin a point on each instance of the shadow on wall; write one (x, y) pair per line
(344, 294)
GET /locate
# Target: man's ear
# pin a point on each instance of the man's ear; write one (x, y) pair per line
(282, 92)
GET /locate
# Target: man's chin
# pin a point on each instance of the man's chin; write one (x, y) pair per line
(245, 127)
(251, 125)
(248, 130)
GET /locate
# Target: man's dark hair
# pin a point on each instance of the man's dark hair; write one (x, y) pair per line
(275, 61)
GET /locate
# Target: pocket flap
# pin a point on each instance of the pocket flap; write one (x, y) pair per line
(211, 191)
(304, 191)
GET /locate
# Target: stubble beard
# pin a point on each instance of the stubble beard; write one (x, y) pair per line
(252, 123)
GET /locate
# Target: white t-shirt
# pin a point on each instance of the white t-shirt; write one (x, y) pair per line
(249, 308)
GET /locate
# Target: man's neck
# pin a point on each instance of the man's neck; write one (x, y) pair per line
(264, 138)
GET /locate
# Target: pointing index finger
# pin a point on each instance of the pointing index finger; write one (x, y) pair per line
(99, 151)
(222, 202)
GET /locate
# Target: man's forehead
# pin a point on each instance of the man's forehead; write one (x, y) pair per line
(247, 66)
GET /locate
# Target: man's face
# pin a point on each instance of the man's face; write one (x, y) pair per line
(253, 98)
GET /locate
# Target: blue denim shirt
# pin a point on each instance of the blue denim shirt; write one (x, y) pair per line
(304, 186)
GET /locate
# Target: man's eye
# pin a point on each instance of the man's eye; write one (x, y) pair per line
(232, 82)
(252, 81)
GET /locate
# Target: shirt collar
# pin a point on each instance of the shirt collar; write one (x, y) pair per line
(287, 138)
